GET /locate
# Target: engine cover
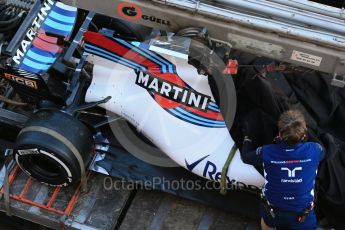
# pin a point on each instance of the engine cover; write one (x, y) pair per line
(169, 102)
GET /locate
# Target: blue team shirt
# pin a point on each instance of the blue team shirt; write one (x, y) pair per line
(290, 173)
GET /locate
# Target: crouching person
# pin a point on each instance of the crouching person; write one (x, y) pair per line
(290, 167)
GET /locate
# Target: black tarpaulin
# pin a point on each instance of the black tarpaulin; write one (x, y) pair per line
(263, 97)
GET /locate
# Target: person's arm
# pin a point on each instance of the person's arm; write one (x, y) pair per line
(250, 156)
(321, 151)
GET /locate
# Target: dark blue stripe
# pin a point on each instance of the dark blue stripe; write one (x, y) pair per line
(61, 22)
(49, 29)
(43, 52)
(29, 69)
(180, 115)
(62, 18)
(198, 117)
(213, 109)
(114, 59)
(126, 45)
(152, 56)
(158, 57)
(191, 122)
(65, 12)
(213, 103)
(97, 49)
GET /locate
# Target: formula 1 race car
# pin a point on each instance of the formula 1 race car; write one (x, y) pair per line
(175, 83)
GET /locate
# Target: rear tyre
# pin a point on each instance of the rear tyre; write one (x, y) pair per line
(54, 148)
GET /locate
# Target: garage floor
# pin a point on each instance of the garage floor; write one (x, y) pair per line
(156, 210)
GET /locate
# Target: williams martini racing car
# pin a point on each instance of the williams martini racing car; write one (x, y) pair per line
(175, 83)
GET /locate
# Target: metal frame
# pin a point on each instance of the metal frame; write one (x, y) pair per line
(83, 211)
(251, 31)
(48, 206)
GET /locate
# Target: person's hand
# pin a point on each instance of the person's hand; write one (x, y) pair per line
(247, 139)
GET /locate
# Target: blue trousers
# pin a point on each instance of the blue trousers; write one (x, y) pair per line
(287, 220)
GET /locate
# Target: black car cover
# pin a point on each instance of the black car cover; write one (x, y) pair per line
(261, 100)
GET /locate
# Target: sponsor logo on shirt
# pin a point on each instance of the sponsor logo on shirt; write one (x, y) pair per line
(291, 161)
(291, 180)
(291, 174)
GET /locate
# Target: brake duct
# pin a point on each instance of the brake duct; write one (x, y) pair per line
(163, 97)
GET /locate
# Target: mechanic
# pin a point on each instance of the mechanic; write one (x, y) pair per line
(290, 167)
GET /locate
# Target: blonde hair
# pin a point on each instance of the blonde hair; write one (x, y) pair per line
(292, 127)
